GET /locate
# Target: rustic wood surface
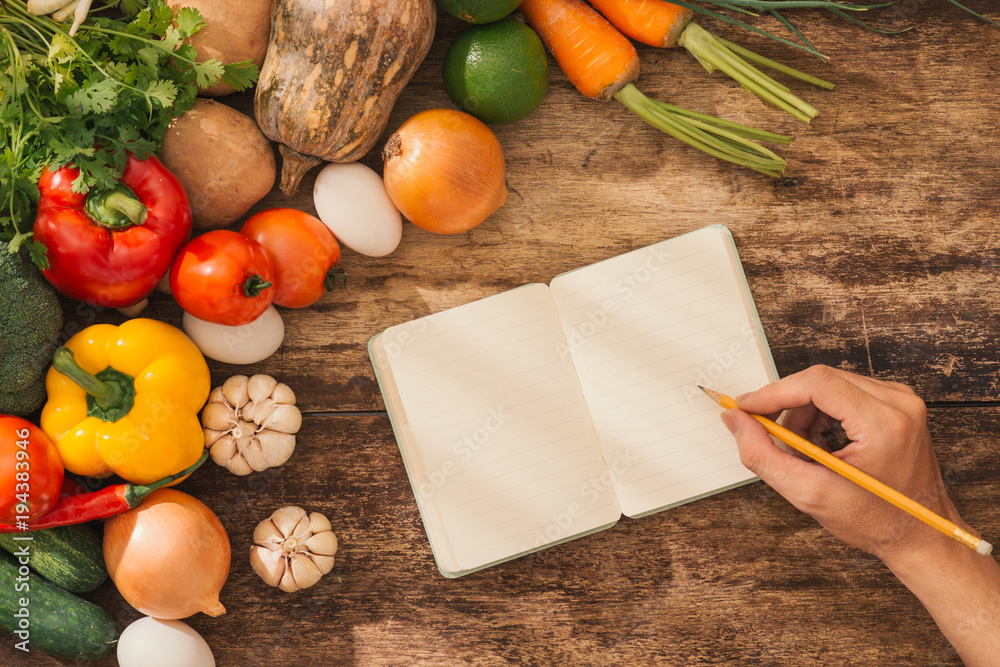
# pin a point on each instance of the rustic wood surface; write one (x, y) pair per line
(878, 252)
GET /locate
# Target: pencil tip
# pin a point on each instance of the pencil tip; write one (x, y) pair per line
(700, 387)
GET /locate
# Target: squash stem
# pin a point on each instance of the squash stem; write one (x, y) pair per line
(723, 139)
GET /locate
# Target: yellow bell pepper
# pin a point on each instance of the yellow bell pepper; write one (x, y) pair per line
(124, 400)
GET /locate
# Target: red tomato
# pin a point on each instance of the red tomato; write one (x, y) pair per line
(303, 250)
(223, 277)
(31, 471)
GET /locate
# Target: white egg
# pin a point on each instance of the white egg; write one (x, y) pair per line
(150, 642)
(351, 200)
(245, 344)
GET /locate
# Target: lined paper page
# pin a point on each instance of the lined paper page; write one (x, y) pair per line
(646, 328)
(508, 452)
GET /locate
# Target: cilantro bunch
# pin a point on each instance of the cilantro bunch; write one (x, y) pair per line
(85, 100)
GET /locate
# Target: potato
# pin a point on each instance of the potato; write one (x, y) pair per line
(222, 159)
(234, 31)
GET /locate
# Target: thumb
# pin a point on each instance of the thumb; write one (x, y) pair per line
(792, 477)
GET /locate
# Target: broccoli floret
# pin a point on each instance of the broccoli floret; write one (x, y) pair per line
(30, 321)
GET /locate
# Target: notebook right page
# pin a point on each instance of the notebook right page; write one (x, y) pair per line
(646, 328)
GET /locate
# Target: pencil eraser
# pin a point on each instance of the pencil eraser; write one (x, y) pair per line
(984, 548)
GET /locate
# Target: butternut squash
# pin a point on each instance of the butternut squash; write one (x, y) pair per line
(332, 73)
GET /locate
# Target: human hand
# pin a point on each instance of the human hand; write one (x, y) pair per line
(886, 425)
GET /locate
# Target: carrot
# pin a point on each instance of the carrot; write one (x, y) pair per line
(653, 23)
(593, 55)
(660, 23)
(602, 64)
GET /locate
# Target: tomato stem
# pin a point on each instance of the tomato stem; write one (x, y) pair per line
(253, 285)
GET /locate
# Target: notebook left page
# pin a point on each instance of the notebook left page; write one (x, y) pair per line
(494, 430)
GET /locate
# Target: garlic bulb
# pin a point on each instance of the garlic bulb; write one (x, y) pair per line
(293, 550)
(250, 423)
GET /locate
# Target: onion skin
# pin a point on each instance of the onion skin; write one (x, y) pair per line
(444, 170)
(168, 557)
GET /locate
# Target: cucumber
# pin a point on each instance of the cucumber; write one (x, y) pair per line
(72, 557)
(51, 620)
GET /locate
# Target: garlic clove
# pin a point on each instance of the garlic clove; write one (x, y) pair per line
(211, 436)
(277, 447)
(301, 531)
(324, 563)
(266, 534)
(260, 387)
(323, 544)
(259, 411)
(305, 572)
(286, 518)
(223, 450)
(287, 582)
(236, 390)
(319, 523)
(269, 565)
(217, 396)
(218, 417)
(238, 466)
(253, 454)
(285, 418)
(283, 394)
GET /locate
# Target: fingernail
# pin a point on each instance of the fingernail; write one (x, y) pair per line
(730, 422)
(743, 397)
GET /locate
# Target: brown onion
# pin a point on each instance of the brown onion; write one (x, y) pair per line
(168, 557)
(444, 171)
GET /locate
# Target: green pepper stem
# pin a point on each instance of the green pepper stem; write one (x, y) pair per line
(117, 208)
(134, 493)
(106, 394)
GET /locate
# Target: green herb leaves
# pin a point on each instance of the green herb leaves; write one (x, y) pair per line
(85, 100)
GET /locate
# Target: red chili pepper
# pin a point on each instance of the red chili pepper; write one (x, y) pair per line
(107, 502)
(111, 248)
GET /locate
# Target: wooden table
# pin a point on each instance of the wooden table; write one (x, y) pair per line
(878, 253)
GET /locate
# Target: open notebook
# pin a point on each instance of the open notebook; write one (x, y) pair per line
(544, 413)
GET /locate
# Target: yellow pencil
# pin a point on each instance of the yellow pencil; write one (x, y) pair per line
(863, 480)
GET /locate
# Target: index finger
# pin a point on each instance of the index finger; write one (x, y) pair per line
(835, 392)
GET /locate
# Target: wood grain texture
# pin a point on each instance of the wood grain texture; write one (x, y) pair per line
(878, 252)
(740, 578)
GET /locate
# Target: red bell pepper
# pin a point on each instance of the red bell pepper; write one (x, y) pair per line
(111, 248)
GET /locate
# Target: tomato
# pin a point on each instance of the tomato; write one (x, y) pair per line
(304, 251)
(223, 277)
(31, 471)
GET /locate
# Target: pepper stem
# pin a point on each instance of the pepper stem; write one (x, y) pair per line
(117, 208)
(134, 493)
(253, 285)
(110, 393)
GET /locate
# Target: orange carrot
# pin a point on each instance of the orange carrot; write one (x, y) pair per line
(593, 55)
(654, 23)
(602, 64)
(663, 24)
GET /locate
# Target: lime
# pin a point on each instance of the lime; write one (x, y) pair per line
(498, 72)
(479, 11)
